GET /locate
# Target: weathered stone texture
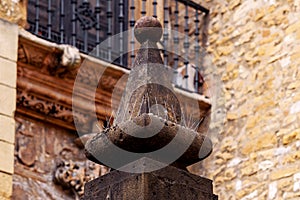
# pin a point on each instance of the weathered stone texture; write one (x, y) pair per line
(166, 183)
(7, 129)
(6, 152)
(8, 74)
(14, 11)
(8, 40)
(254, 46)
(44, 153)
(7, 100)
(5, 186)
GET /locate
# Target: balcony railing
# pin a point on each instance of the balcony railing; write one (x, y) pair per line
(86, 23)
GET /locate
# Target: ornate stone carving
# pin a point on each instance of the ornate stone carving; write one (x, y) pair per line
(73, 176)
(63, 61)
(26, 150)
(46, 107)
(59, 62)
(46, 73)
(42, 153)
(70, 57)
(14, 11)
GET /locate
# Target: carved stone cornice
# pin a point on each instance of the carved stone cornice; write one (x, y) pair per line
(45, 85)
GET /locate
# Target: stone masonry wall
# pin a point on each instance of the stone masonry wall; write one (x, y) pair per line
(254, 47)
(8, 72)
(11, 14)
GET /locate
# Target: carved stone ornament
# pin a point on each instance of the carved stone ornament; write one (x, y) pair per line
(14, 11)
(46, 75)
(73, 176)
(43, 107)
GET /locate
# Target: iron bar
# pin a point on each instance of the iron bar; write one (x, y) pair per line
(166, 31)
(194, 5)
(186, 44)
(61, 21)
(197, 49)
(121, 21)
(154, 3)
(37, 17)
(176, 43)
(73, 20)
(85, 29)
(49, 24)
(97, 12)
(109, 28)
(143, 12)
(132, 22)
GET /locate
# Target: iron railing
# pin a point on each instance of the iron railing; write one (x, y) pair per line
(86, 23)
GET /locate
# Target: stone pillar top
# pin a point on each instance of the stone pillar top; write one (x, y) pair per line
(149, 122)
(148, 28)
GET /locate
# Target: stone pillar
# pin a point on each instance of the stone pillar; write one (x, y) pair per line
(153, 165)
(8, 74)
(12, 14)
(169, 183)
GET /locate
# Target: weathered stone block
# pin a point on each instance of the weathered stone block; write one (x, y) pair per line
(8, 40)
(7, 100)
(8, 72)
(6, 157)
(167, 183)
(285, 172)
(291, 137)
(5, 186)
(293, 28)
(7, 132)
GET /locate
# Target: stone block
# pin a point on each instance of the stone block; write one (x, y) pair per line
(6, 157)
(285, 172)
(8, 72)
(166, 183)
(7, 132)
(5, 186)
(234, 4)
(291, 137)
(232, 116)
(7, 100)
(293, 28)
(267, 140)
(8, 40)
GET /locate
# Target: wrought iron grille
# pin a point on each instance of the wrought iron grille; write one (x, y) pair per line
(86, 23)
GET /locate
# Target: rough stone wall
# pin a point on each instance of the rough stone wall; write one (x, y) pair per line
(254, 46)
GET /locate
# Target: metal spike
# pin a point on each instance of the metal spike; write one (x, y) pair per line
(166, 108)
(200, 121)
(149, 106)
(156, 106)
(141, 105)
(132, 109)
(174, 113)
(190, 121)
